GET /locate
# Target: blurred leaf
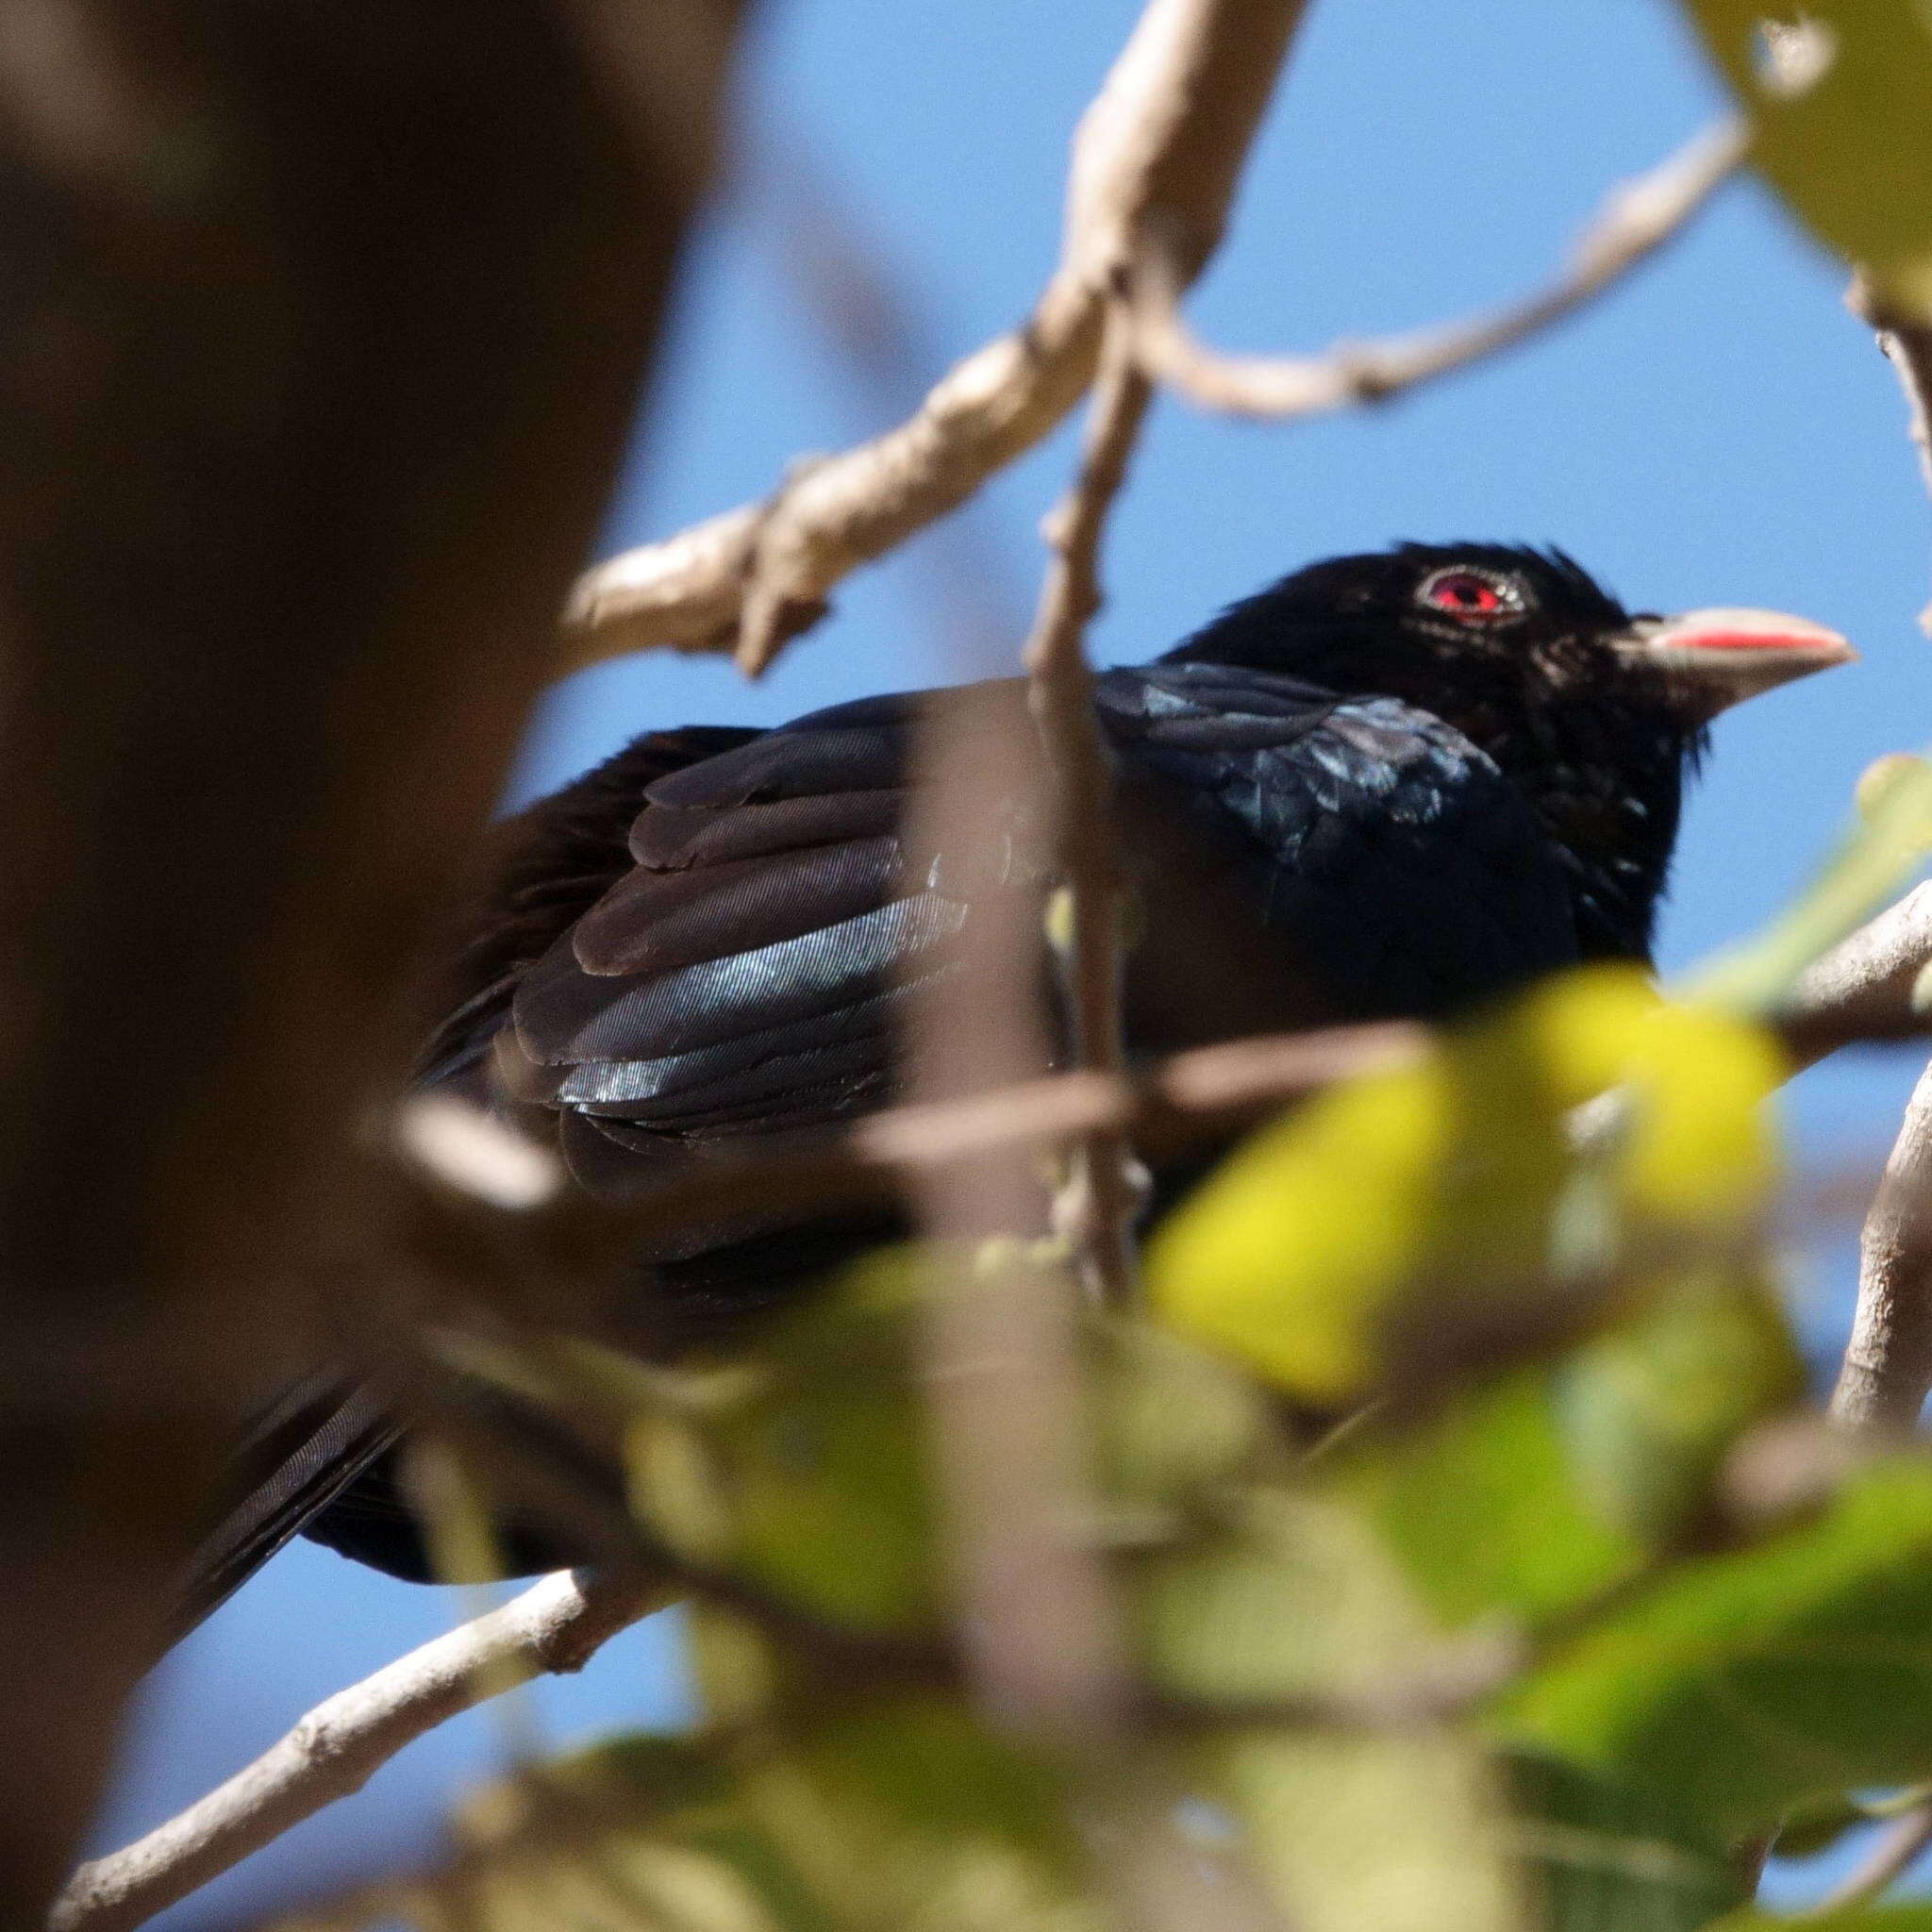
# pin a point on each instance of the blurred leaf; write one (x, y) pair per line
(1412, 1216)
(902, 1813)
(1650, 1408)
(1746, 1684)
(1404, 1834)
(1876, 861)
(1483, 1504)
(1171, 1421)
(1819, 1824)
(1528, 1494)
(1403, 1831)
(1851, 153)
(808, 1478)
(1609, 1858)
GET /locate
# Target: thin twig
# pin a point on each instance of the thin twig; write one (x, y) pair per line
(1635, 221)
(1096, 1207)
(459, 1219)
(1170, 129)
(555, 1627)
(1889, 1861)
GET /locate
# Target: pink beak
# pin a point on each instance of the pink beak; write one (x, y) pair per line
(1723, 656)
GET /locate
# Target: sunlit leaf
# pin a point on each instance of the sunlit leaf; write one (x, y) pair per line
(1843, 134)
(1744, 1684)
(1406, 1215)
(1484, 1506)
(1400, 1830)
(1403, 1833)
(1650, 1408)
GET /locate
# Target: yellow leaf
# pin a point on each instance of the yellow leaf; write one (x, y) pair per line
(1451, 1186)
(1844, 131)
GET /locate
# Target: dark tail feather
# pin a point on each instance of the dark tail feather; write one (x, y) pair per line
(297, 1458)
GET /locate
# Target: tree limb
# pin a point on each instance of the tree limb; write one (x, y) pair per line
(1635, 221)
(1169, 130)
(1862, 990)
(1888, 1363)
(322, 325)
(558, 1625)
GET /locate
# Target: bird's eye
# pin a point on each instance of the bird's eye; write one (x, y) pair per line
(1474, 595)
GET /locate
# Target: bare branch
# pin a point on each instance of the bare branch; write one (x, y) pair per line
(1862, 990)
(1635, 221)
(555, 1627)
(1888, 1364)
(451, 1207)
(1169, 130)
(1097, 1206)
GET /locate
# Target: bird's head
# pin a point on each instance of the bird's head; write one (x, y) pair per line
(1463, 627)
(1595, 713)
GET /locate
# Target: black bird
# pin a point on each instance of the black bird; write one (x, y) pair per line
(1395, 784)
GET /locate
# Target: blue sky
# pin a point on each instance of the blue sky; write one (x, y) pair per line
(1719, 431)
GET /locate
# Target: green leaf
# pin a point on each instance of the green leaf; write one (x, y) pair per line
(1742, 1685)
(1608, 1857)
(1407, 1220)
(1402, 1834)
(1483, 1504)
(896, 1811)
(808, 1478)
(1851, 153)
(1404, 1831)
(1528, 1494)
(1651, 1407)
(1877, 858)
(1171, 1421)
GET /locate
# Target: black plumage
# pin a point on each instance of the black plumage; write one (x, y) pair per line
(1400, 784)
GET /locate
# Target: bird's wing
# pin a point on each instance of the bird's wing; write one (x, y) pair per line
(541, 871)
(746, 974)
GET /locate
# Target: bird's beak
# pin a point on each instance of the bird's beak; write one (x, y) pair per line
(1717, 658)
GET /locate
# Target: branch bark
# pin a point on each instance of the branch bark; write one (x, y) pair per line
(1097, 1206)
(1636, 219)
(1888, 1363)
(555, 1626)
(1170, 131)
(322, 327)
(1863, 989)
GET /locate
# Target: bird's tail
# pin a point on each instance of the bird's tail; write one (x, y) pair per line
(296, 1457)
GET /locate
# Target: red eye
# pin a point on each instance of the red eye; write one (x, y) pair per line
(1470, 594)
